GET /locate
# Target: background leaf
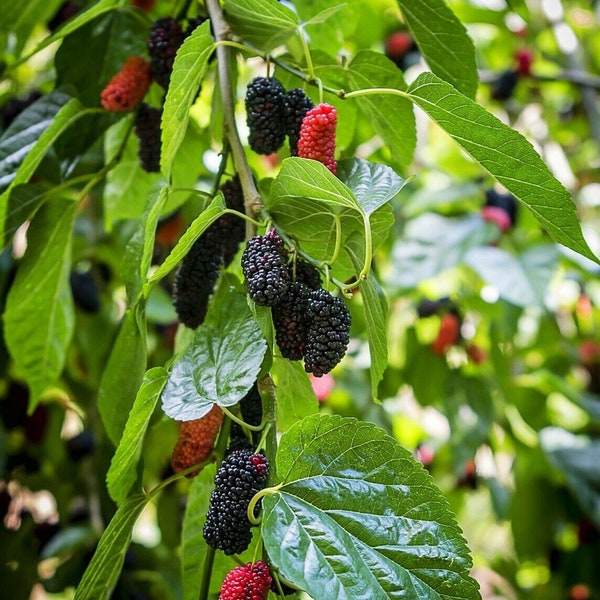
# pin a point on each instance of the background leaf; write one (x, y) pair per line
(39, 317)
(392, 116)
(521, 279)
(361, 512)
(122, 472)
(444, 42)
(216, 368)
(506, 155)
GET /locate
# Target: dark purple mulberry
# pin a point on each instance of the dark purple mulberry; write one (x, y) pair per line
(303, 272)
(241, 475)
(84, 288)
(147, 130)
(507, 202)
(196, 277)
(264, 263)
(233, 227)
(164, 40)
(297, 104)
(290, 321)
(328, 332)
(266, 114)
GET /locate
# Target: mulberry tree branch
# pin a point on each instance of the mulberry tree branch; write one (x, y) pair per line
(252, 198)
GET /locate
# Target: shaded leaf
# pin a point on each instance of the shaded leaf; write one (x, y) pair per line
(122, 472)
(392, 116)
(222, 361)
(39, 317)
(364, 516)
(295, 396)
(506, 155)
(124, 373)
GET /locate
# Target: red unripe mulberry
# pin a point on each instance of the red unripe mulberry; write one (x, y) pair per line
(448, 334)
(196, 440)
(524, 59)
(128, 86)
(248, 582)
(317, 135)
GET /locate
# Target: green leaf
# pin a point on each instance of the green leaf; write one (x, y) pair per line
(29, 137)
(392, 116)
(200, 224)
(364, 515)
(23, 202)
(193, 546)
(139, 250)
(295, 396)
(309, 179)
(73, 24)
(263, 23)
(222, 361)
(39, 317)
(127, 185)
(443, 41)
(124, 373)
(522, 278)
(373, 184)
(122, 472)
(102, 573)
(22, 16)
(324, 15)
(188, 70)
(506, 155)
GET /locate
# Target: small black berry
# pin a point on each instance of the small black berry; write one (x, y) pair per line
(266, 114)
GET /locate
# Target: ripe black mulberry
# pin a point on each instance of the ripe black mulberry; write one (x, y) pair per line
(147, 130)
(266, 114)
(290, 321)
(328, 333)
(164, 40)
(241, 475)
(264, 263)
(233, 228)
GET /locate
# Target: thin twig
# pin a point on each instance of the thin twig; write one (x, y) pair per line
(252, 198)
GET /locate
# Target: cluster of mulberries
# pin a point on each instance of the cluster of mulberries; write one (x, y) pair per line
(265, 114)
(251, 409)
(240, 476)
(309, 322)
(127, 88)
(166, 35)
(198, 272)
(147, 130)
(196, 440)
(272, 113)
(247, 582)
(297, 104)
(317, 135)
